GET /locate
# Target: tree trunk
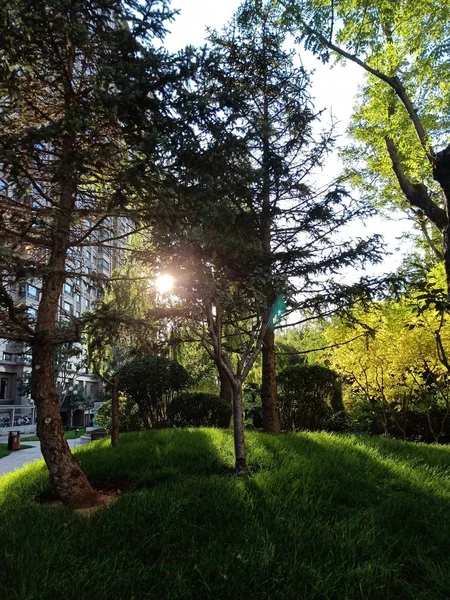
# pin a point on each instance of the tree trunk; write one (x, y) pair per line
(271, 422)
(115, 413)
(144, 417)
(441, 174)
(238, 426)
(226, 393)
(66, 476)
(69, 481)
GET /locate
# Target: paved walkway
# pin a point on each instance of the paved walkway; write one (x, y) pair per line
(19, 458)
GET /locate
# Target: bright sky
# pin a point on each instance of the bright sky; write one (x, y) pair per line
(334, 89)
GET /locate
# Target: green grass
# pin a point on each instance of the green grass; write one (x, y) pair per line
(4, 449)
(321, 517)
(69, 435)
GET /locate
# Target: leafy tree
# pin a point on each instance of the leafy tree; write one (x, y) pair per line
(84, 95)
(152, 382)
(129, 417)
(396, 357)
(117, 328)
(268, 102)
(402, 118)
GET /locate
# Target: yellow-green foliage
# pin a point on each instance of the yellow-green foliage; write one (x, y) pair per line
(395, 346)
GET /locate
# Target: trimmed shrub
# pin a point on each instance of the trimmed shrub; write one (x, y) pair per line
(307, 397)
(198, 409)
(152, 382)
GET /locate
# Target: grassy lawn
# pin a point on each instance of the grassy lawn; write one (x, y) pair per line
(4, 449)
(321, 517)
(69, 435)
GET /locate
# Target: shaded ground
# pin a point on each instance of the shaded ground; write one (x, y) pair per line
(322, 517)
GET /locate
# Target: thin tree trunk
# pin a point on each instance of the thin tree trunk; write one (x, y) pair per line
(271, 422)
(144, 417)
(226, 393)
(238, 426)
(66, 476)
(115, 412)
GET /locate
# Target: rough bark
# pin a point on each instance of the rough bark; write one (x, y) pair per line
(441, 173)
(416, 193)
(238, 430)
(226, 394)
(66, 476)
(115, 413)
(271, 422)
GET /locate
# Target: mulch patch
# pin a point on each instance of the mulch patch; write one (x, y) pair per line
(108, 488)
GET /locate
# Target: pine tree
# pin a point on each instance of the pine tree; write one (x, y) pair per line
(83, 106)
(249, 234)
(270, 105)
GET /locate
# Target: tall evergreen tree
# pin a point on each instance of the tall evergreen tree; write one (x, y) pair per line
(249, 234)
(80, 81)
(270, 105)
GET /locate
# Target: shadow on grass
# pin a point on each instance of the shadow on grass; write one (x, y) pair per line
(321, 517)
(383, 509)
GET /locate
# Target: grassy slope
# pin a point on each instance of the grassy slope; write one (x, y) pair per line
(322, 517)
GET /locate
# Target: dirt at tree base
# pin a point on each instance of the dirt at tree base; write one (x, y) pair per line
(107, 488)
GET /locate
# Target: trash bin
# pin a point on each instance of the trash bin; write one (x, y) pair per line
(13, 440)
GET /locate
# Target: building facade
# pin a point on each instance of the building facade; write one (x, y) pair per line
(77, 387)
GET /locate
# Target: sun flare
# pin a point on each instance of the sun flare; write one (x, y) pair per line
(164, 283)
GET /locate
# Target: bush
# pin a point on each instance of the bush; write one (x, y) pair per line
(308, 396)
(152, 383)
(129, 417)
(198, 409)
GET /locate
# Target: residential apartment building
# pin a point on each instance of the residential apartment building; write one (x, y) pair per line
(79, 295)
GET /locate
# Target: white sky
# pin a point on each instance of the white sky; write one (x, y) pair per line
(334, 89)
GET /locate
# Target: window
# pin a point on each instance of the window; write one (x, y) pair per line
(7, 356)
(68, 308)
(103, 264)
(88, 303)
(3, 387)
(78, 298)
(28, 290)
(68, 289)
(32, 292)
(27, 358)
(78, 314)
